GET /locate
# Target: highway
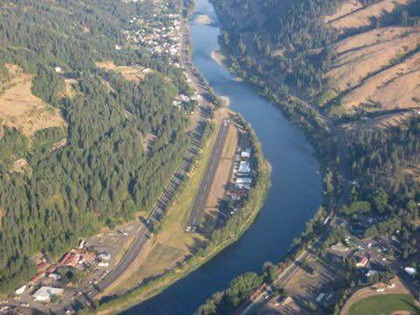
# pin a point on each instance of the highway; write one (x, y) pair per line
(90, 291)
(205, 185)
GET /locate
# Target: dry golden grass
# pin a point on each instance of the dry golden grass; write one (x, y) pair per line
(19, 166)
(71, 90)
(134, 74)
(412, 173)
(363, 54)
(396, 87)
(351, 15)
(381, 122)
(22, 110)
(346, 8)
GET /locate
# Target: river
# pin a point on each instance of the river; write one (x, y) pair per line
(294, 196)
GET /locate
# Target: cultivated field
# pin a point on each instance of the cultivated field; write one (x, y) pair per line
(22, 110)
(134, 73)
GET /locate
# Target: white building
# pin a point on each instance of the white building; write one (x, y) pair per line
(244, 167)
(104, 256)
(244, 180)
(246, 153)
(44, 294)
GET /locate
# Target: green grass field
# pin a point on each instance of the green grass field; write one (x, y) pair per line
(383, 305)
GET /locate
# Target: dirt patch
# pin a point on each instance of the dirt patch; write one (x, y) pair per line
(2, 215)
(352, 15)
(20, 166)
(133, 73)
(401, 313)
(71, 90)
(22, 110)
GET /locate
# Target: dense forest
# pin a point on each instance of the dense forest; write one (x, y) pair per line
(102, 175)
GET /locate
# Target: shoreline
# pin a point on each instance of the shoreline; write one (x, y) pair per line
(254, 205)
(250, 212)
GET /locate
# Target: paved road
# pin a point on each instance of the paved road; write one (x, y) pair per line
(205, 185)
(89, 292)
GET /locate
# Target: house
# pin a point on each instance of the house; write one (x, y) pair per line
(410, 271)
(244, 180)
(362, 262)
(37, 278)
(243, 186)
(246, 153)
(244, 167)
(44, 294)
(73, 260)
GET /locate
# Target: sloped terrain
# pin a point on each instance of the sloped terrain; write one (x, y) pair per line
(22, 110)
(366, 53)
(353, 15)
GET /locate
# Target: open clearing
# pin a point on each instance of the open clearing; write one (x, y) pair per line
(353, 15)
(133, 73)
(22, 110)
(383, 304)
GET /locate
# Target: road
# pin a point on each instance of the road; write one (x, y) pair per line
(89, 292)
(287, 274)
(205, 185)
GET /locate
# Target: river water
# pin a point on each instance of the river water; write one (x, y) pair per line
(294, 196)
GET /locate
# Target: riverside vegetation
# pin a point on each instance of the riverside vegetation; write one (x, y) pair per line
(217, 241)
(286, 49)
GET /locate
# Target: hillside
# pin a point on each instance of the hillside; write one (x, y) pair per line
(378, 68)
(71, 145)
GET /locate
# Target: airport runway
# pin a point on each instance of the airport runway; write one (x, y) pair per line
(205, 185)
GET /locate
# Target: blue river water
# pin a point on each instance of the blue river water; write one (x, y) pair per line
(294, 196)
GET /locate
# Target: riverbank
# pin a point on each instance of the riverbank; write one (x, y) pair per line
(231, 233)
(293, 199)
